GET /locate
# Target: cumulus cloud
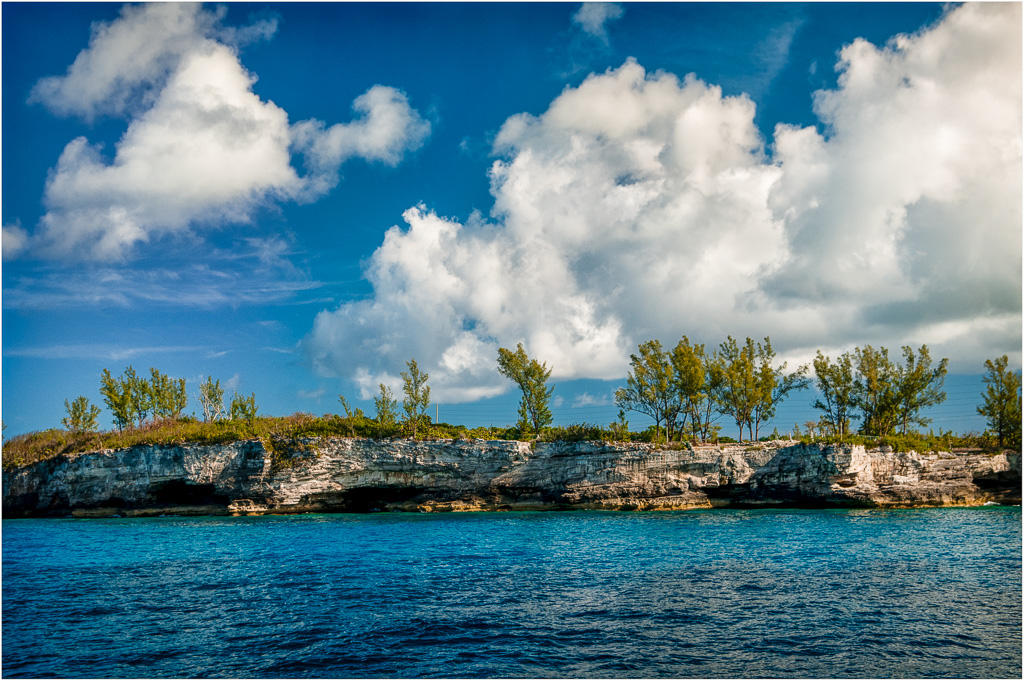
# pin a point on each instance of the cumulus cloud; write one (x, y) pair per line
(906, 213)
(388, 127)
(644, 206)
(201, 148)
(592, 17)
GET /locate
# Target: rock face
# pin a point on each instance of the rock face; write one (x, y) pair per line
(362, 475)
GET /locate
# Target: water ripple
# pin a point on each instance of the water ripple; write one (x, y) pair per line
(740, 594)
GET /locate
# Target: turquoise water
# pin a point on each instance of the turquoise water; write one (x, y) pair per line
(784, 593)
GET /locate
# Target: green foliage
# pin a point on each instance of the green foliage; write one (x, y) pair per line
(116, 394)
(168, 396)
(351, 416)
(587, 432)
(140, 395)
(1002, 402)
(697, 379)
(837, 386)
(387, 412)
(82, 416)
(244, 408)
(773, 384)
(876, 390)
(417, 395)
(531, 376)
(651, 388)
(738, 395)
(918, 386)
(211, 397)
(131, 399)
(891, 395)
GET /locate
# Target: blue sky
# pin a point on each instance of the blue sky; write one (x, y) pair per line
(297, 198)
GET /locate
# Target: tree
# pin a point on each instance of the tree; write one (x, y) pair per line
(876, 393)
(117, 397)
(244, 408)
(140, 395)
(697, 379)
(387, 409)
(211, 397)
(81, 416)
(417, 394)
(531, 376)
(350, 414)
(773, 384)
(918, 386)
(651, 388)
(838, 391)
(738, 395)
(1002, 401)
(168, 395)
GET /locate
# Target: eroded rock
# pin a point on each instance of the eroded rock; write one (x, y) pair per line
(365, 475)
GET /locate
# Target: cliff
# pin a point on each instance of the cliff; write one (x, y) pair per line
(361, 475)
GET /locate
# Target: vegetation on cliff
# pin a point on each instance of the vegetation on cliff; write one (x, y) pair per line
(685, 390)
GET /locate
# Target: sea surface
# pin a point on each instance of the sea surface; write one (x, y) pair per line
(705, 594)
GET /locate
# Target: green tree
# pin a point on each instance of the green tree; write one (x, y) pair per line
(244, 408)
(697, 378)
(837, 386)
(1001, 403)
(81, 416)
(211, 397)
(918, 385)
(140, 395)
(387, 409)
(738, 396)
(876, 392)
(417, 394)
(168, 395)
(773, 384)
(651, 388)
(531, 376)
(350, 414)
(117, 396)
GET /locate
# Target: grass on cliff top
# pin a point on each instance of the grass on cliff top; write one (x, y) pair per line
(29, 448)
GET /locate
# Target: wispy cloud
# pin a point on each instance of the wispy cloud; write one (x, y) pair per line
(255, 272)
(312, 394)
(587, 400)
(593, 18)
(99, 351)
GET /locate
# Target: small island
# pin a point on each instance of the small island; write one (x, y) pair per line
(159, 461)
(328, 474)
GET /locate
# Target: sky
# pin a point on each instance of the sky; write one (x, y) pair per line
(298, 198)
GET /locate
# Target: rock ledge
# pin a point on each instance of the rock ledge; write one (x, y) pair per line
(365, 475)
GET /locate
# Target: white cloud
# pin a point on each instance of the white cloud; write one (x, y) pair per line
(388, 128)
(593, 17)
(585, 399)
(201, 149)
(15, 239)
(127, 60)
(638, 206)
(907, 215)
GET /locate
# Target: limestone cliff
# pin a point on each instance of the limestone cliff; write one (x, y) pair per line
(342, 474)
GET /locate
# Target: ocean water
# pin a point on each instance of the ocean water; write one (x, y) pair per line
(705, 594)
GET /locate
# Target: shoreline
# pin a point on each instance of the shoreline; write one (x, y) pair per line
(353, 475)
